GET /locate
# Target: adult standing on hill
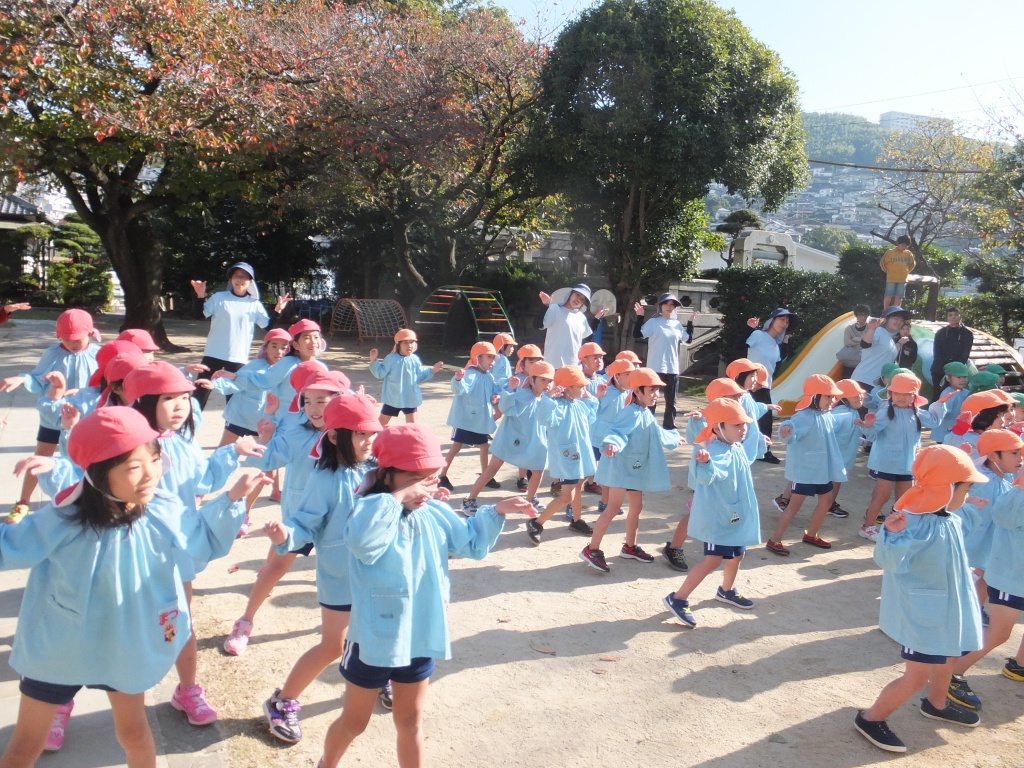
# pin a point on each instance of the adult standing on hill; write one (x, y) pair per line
(953, 343)
(765, 347)
(897, 263)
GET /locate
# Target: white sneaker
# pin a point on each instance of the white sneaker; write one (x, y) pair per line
(238, 640)
(869, 532)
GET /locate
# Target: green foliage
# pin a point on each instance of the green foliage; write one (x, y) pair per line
(830, 239)
(76, 241)
(81, 285)
(737, 221)
(863, 281)
(841, 138)
(947, 265)
(1001, 316)
(682, 241)
(754, 291)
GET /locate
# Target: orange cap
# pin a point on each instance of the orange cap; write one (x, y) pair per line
(723, 388)
(619, 366)
(529, 350)
(629, 354)
(736, 367)
(504, 339)
(936, 469)
(545, 369)
(406, 334)
(850, 388)
(762, 374)
(994, 440)
(480, 348)
(588, 349)
(644, 377)
(817, 384)
(721, 411)
(570, 376)
(979, 401)
(905, 384)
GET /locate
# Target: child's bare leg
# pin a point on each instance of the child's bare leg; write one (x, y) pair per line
(384, 420)
(820, 510)
(276, 475)
(481, 480)
(450, 457)
(697, 574)
(636, 504)
(333, 627)
(982, 587)
(577, 501)
(409, 699)
(1001, 619)
(729, 572)
(30, 482)
(484, 457)
(132, 728)
(795, 502)
(558, 503)
(679, 536)
(355, 716)
(915, 676)
(30, 731)
(533, 484)
(272, 571)
(615, 498)
(188, 660)
(938, 683)
(879, 495)
(227, 438)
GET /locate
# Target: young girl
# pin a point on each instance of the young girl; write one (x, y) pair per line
(505, 344)
(725, 515)
(86, 399)
(591, 358)
(105, 579)
(247, 400)
(955, 376)
(752, 376)
(979, 412)
(288, 444)
(233, 314)
(528, 354)
(349, 424)
(928, 603)
(402, 372)
(400, 540)
(567, 416)
(896, 439)
(63, 366)
(664, 333)
(1005, 592)
(521, 439)
(609, 406)
(633, 462)
(471, 416)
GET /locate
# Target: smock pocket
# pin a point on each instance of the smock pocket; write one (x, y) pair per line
(169, 621)
(569, 452)
(925, 607)
(634, 463)
(386, 611)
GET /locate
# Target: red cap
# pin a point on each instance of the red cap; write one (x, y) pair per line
(276, 334)
(303, 326)
(75, 324)
(328, 381)
(119, 368)
(155, 378)
(140, 339)
(355, 412)
(297, 379)
(108, 352)
(409, 448)
(106, 433)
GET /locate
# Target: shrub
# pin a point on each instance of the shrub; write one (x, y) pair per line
(81, 285)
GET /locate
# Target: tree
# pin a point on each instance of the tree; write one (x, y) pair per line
(643, 104)
(841, 138)
(735, 223)
(830, 239)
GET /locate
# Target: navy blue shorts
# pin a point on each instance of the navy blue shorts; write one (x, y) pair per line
(54, 693)
(1005, 598)
(570, 481)
(234, 429)
(338, 608)
(812, 489)
(597, 453)
(49, 436)
(304, 550)
(365, 676)
(924, 658)
(466, 437)
(390, 410)
(890, 476)
(722, 551)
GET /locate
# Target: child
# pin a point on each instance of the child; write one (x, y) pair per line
(63, 366)
(568, 417)
(141, 339)
(288, 443)
(609, 406)
(631, 356)
(634, 462)
(505, 344)
(813, 460)
(528, 355)
(979, 412)
(906, 347)
(471, 416)
(1017, 409)
(928, 604)
(400, 540)
(521, 439)
(591, 358)
(751, 376)
(725, 515)
(897, 263)
(896, 439)
(402, 372)
(1005, 592)
(955, 376)
(105, 580)
(664, 333)
(233, 314)
(349, 424)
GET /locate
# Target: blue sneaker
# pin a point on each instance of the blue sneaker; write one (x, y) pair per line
(568, 513)
(960, 693)
(601, 507)
(536, 505)
(734, 598)
(469, 508)
(680, 609)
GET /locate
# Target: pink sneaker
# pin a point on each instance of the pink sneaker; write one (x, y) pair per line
(55, 738)
(243, 529)
(238, 640)
(275, 495)
(192, 701)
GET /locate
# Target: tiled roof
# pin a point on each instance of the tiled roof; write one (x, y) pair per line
(15, 207)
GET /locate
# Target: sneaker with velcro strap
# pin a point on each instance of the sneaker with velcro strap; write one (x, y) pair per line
(734, 598)
(283, 717)
(1012, 670)
(960, 693)
(634, 552)
(680, 609)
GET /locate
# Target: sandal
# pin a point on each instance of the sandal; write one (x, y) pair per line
(816, 541)
(777, 547)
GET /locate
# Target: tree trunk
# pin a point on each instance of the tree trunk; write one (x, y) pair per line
(403, 250)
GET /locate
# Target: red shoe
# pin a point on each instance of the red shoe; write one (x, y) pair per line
(816, 541)
(777, 547)
(592, 487)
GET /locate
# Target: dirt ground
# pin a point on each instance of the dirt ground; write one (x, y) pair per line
(555, 664)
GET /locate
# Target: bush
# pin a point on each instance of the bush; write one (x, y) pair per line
(863, 280)
(999, 316)
(746, 292)
(81, 285)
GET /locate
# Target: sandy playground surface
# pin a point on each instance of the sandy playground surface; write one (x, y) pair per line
(555, 664)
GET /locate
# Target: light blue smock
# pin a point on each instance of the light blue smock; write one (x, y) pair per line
(978, 539)
(245, 408)
(970, 437)
(608, 409)
(595, 381)
(320, 517)
(755, 444)
(1005, 566)
(521, 439)
(290, 446)
(953, 405)
(92, 608)
(894, 444)
(724, 509)
(663, 338)
(501, 371)
(813, 455)
(399, 573)
(276, 379)
(86, 400)
(847, 434)
(929, 603)
(232, 323)
(639, 462)
(402, 376)
(77, 368)
(471, 408)
(570, 455)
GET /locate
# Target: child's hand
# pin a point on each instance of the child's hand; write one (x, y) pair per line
(460, 374)
(767, 441)
(373, 355)
(977, 501)
(774, 408)
(265, 430)
(601, 389)
(438, 366)
(785, 432)
(204, 383)
(247, 446)
(753, 322)
(247, 484)
(275, 532)
(692, 415)
(195, 368)
(966, 448)
(35, 466)
(702, 456)
(513, 384)
(57, 384)
(11, 383)
(896, 521)
(442, 494)
(69, 416)
(869, 420)
(515, 504)
(224, 375)
(18, 307)
(610, 450)
(199, 286)
(874, 322)
(272, 403)
(416, 495)
(545, 299)
(494, 399)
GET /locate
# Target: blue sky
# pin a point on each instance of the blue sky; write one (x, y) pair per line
(960, 60)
